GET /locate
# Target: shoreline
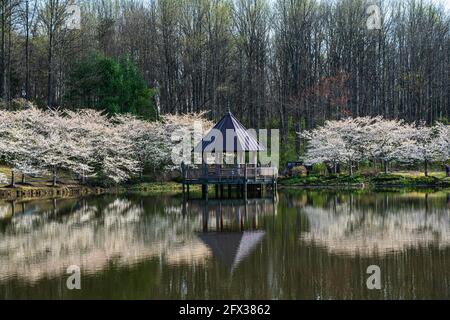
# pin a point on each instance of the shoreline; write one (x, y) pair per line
(381, 181)
(30, 192)
(47, 192)
(361, 187)
(24, 193)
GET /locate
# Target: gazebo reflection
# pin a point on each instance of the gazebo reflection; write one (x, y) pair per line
(231, 248)
(231, 215)
(232, 229)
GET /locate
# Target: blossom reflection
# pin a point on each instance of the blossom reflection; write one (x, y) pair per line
(347, 229)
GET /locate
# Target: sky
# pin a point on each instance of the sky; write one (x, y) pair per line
(446, 3)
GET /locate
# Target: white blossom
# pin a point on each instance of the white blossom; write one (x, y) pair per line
(375, 138)
(87, 143)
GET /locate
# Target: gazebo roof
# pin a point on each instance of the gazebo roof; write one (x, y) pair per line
(243, 140)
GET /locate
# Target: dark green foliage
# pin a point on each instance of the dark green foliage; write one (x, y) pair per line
(103, 83)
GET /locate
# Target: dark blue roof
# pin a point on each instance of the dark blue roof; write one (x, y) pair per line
(235, 138)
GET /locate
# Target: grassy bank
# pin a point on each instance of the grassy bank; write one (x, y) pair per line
(156, 187)
(67, 187)
(395, 179)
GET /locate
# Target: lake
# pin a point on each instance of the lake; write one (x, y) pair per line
(305, 245)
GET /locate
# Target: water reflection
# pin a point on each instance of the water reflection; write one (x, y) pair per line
(231, 228)
(373, 226)
(231, 215)
(232, 247)
(309, 245)
(45, 238)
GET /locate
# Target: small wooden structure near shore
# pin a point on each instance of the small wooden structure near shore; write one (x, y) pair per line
(231, 140)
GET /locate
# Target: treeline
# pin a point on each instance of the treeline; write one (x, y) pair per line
(290, 64)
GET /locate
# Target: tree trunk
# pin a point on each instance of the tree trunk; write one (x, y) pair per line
(54, 178)
(23, 178)
(50, 59)
(13, 179)
(27, 52)
(426, 167)
(350, 168)
(386, 167)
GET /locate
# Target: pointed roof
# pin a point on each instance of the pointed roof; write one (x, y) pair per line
(238, 138)
(232, 248)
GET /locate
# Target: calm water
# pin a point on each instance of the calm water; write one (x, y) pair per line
(309, 245)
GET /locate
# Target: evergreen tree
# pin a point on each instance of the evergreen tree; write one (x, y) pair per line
(102, 83)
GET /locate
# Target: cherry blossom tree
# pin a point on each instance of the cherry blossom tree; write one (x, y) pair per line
(443, 141)
(325, 146)
(423, 146)
(388, 138)
(368, 138)
(88, 143)
(17, 141)
(343, 141)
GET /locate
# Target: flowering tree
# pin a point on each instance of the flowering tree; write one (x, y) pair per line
(183, 132)
(358, 139)
(17, 141)
(326, 145)
(388, 138)
(147, 141)
(423, 145)
(443, 141)
(343, 141)
(88, 143)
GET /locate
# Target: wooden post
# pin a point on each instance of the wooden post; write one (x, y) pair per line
(183, 180)
(205, 218)
(245, 182)
(205, 171)
(274, 188)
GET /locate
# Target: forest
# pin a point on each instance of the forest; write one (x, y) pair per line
(287, 64)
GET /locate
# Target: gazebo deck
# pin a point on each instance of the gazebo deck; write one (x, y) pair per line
(230, 175)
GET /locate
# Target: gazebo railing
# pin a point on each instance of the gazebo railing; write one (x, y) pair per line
(229, 173)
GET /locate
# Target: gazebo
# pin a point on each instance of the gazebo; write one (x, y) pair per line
(234, 151)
